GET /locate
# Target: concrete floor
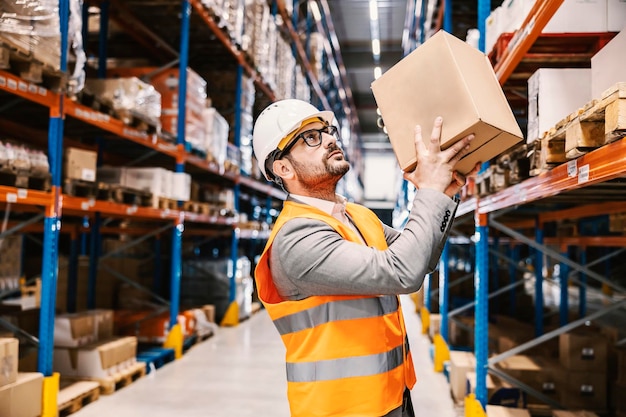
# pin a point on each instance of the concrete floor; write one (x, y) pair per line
(239, 372)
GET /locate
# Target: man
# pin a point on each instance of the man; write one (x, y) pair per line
(331, 271)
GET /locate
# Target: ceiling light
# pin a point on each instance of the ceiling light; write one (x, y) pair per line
(316, 11)
(376, 47)
(377, 72)
(373, 10)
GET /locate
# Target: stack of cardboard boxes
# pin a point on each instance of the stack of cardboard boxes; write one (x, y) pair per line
(20, 392)
(84, 346)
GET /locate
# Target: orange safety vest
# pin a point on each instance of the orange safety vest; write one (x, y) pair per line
(346, 355)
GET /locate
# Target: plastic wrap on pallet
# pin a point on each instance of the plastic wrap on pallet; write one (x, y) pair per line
(285, 76)
(257, 26)
(32, 28)
(216, 131)
(128, 95)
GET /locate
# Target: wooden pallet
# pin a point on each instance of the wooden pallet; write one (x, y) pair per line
(599, 122)
(80, 188)
(75, 395)
(197, 207)
(128, 117)
(124, 195)
(121, 379)
(11, 178)
(24, 65)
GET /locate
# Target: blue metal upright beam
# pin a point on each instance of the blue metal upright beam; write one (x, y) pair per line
(158, 265)
(52, 222)
(176, 271)
(484, 8)
(481, 284)
(538, 282)
(447, 16)
(426, 286)
(234, 247)
(177, 232)
(564, 299)
(444, 289)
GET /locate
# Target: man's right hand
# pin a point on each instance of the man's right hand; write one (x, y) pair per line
(435, 168)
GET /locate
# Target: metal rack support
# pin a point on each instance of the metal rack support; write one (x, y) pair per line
(444, 280)
(481, 336)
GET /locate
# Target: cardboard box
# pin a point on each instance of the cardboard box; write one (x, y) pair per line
(434, 327)
(616, 14)
(553, 94)
(543, 375)
(607, 65)
(579, 16)
(585, 390)
(460, 364)
(96, 360)
(181, 186)
(499, 411)
(23, 397)
(74, 329)
(209, 311)
(103, 323)
(9, 357)
(470, 384)
(583, 352)
(449, 78)
(156, 180)
(80, 164)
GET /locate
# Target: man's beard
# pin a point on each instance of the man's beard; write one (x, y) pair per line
(315, 177)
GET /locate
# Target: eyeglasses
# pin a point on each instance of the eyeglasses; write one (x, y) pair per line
(312, 138)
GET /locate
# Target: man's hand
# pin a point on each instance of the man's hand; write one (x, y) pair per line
(434, 167)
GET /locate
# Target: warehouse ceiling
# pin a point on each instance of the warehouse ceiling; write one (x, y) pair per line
(351, 21)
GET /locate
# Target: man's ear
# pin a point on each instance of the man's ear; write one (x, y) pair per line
(282, 168)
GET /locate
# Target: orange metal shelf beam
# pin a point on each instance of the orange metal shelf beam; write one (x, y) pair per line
(82, 206)
(118, 128)
(540, 14)
(604, 241)
(304, 61)
(31, 92)
(225, 39)
(603, 164)
(589, 210)
(25, 196)
(262, 187)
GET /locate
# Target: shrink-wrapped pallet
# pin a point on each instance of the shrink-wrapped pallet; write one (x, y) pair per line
(31, 29)
(128, 97)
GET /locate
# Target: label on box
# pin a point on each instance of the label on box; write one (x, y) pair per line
(571, 168)
(587, 354)
(586, 389)
(583, 174)
(88, 174)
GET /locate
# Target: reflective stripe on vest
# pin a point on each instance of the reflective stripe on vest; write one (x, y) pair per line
(358, 308)
(345, 367)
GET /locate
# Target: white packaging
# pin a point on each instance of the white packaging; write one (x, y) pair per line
(616, 15)
(181, 186)
(553, 94)
(579, 16)
(516, 12)
(155, 180)
(97, 360)
(607, 66)
(493, 28)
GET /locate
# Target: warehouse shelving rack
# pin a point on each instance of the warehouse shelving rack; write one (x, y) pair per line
(584, 188)
(53, 206)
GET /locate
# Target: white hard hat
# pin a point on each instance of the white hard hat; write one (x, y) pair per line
(278, 121)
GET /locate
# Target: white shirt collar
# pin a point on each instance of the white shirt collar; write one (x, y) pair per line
(324, 205)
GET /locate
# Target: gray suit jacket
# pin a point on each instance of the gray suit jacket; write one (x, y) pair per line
(308, 257)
